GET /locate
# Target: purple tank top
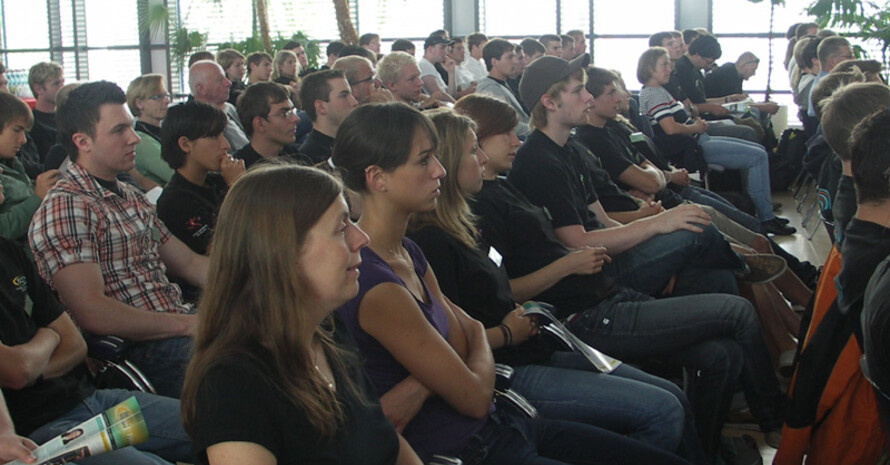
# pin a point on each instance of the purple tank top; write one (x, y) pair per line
(438, 428)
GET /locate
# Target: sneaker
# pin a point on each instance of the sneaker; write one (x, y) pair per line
(773, 438)
(761, 268)
(774, 226)
(782, 220)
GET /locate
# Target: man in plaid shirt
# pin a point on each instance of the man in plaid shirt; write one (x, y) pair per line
(99, 243)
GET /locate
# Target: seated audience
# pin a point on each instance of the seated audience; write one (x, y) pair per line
(500, 59)
(808, 67)
(561, 385)
(668, 117)
(208, 84)
(474, 63)
(232, 62)
(355, 50)
(870, 68)
(193, 144)
(45, 80)
(147, 99)
(403, 45)
(200, 56)
(532, 49)
(580, 41)
(400, 75)
(333, 52)
(45, 381)
(270, 120)
(21, 196)
(435, 49)
(285, 69)
(727, 80)
(270, 381)
(303, 60)
(259, 67)
(458, 54)
(832, 51)
(552, 44)
(100, 245)
(568, 47)
(13, 446)
(366, 86)
(370, 41)
(596, 307)
(328, 100)
(428, 360)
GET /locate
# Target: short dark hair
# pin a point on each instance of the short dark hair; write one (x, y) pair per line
(546, 39)
(366, 39)
(292, 45)
(257, 100)
(380, 134)
(317, 86)
(805, 51)
(655, 40)
(689, 35)
(495, 48)
(475, 39)
(355, 50)
(792, 31)
(870, 158)
(14, 109)
(576, 33)
(705, 46)
(492, 115)
(532, 46)
(255, 58)
(598, 79)
(565, 38)
(80, 112)
(199, 56)
(334, 48)
(403, 45)
(828, 47)
(192, 120)
(801, 29)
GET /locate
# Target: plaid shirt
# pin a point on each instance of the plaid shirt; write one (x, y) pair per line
(80, 221)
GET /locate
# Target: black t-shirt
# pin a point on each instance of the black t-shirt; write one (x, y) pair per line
(523, 234)
(474, 282)
(691, 80)
(190, 210)
(674, 88)
(612, 197)
(26, 305)
(44, 131)
(876, 328)
(252, 157)
(235, 402)
(235, 91)
(866, 244)
(722, 81)
(150, 129)
(317, 146)
(557, 179)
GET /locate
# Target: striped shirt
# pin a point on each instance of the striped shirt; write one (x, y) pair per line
(80, 221)
(657, 103)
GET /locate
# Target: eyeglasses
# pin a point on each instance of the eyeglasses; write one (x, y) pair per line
(286, 114)
(370, 78)
(159, 97)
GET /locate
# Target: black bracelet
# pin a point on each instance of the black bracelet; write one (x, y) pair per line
(508, 335)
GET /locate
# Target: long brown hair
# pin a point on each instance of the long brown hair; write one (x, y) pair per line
(452, 214)
(254, 302)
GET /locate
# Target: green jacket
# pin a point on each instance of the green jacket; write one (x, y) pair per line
(149, 162)
(20, 200)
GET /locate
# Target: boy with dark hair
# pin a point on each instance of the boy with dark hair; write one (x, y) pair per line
(568, 47)
(328, 99)
(333, 52)
(552, 44)
(500, 59)
(300, 51)
(21, 197)
(370, 41)
(270, 122)
(259, 67)
(404, 45)
(831, 51)
(475, 43)
(532, 48)
(45, 381)
(100, 245)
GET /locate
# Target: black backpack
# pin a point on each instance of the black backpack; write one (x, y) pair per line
(787, 161)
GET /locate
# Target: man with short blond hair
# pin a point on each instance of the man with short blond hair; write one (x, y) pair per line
(45, 80)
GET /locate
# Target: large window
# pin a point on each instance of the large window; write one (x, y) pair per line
(621, 33)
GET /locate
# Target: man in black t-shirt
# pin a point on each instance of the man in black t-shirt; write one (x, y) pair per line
(328, 99)
(270, 122)
(45, 80)
(44, 380)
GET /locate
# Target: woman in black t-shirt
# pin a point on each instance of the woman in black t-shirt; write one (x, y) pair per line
(269, 383)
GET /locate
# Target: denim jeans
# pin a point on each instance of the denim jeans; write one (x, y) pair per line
(167, 441)
(514, 440)
(705, 197)
(648, 266)
(164, 362)
(744, 155)
(627, 401)
(716, 337)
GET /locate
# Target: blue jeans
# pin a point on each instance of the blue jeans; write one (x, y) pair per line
(514, 440)
(705, 197)
(716, 337)
(164, 362)
(167, 441)
(627, 401)
(648, 266)
(743, 155)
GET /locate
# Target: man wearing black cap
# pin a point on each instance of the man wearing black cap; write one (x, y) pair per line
(435, 50)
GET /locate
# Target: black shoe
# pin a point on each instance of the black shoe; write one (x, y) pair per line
(782, 220)
(774, 226)
(777, 206)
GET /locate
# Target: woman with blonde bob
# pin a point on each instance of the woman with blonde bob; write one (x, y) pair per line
(430, 362)
(148, 99)
(270, 381)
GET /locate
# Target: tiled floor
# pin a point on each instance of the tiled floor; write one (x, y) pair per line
(814, 250)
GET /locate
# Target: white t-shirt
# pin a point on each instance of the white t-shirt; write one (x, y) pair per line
(427, 69)
(476, 67)
(464, 75)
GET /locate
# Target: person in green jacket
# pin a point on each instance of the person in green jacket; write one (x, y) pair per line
(148, 100)
(19, 196)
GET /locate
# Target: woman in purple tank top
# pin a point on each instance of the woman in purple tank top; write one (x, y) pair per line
(428, 360)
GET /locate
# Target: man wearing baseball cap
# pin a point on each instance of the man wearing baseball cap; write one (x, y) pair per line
(553, 171)
(435, 50)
